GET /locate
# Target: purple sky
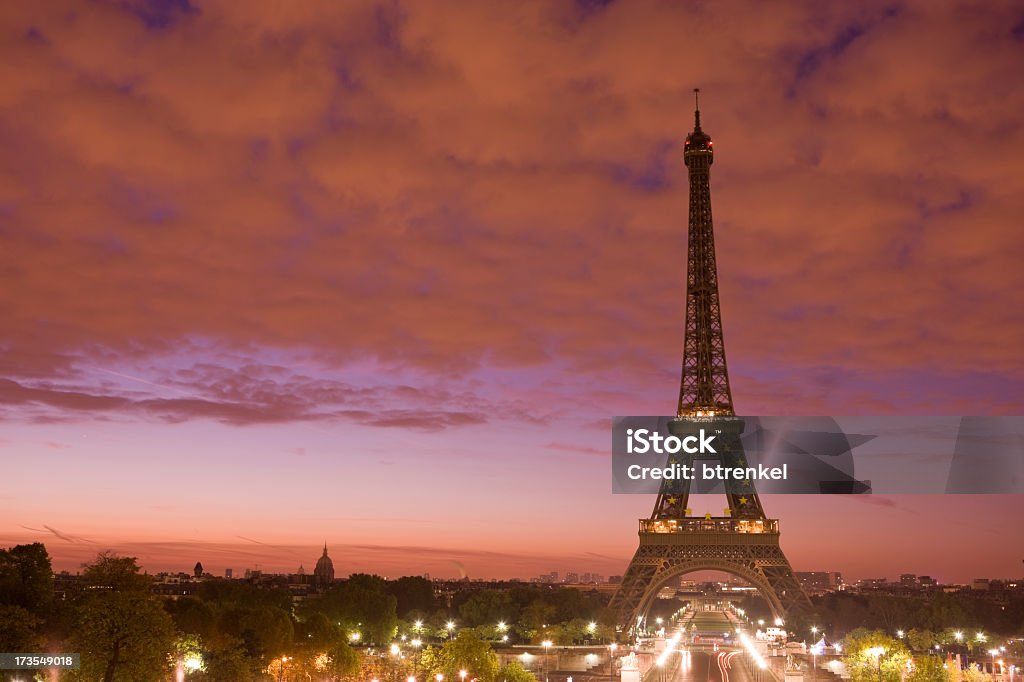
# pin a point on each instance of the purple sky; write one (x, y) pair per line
(380, 273)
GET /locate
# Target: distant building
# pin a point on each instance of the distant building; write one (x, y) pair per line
(872, 583)
(908, 580)
(198, 570)
(820, 582)
(228, 573)
(323, 574)
(615, 579)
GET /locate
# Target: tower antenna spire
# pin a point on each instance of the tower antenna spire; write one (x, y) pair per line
(696, 108)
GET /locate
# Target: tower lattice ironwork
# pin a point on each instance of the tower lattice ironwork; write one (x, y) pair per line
(743, 542)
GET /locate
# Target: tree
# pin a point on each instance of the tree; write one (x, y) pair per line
(466, 652)
(486, 607)
(118, 573)
(973, 674)
(873, 656)
(412, 593)
(342, 661)
(537, 614)
(319, 632)
(265, 631)
(921, 640)
(122, 636)
(928, 669)
(227, 663)
(19, 630)
(121, 630)
(26, 577)
(361, 604)
(513, 671)
(193, 616)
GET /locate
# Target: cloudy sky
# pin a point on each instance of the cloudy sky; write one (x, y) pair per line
(380, 273)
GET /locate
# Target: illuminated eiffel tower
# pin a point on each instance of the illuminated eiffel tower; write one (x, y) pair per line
(744, 542)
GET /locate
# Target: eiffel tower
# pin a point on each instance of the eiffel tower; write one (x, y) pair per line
(744, 542)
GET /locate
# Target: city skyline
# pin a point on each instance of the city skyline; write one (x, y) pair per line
(382, 276)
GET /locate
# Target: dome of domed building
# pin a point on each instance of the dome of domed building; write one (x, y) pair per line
(324, 571)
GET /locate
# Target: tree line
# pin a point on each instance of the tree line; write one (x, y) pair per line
(232, 631)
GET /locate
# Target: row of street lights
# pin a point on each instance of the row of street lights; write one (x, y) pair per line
(439, 677)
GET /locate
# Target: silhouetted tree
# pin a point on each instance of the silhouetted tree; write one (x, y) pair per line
(121, 630)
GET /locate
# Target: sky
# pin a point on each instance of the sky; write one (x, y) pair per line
(379, 274)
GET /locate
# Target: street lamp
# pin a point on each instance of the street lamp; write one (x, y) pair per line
(876, 652)
(547, 647)
(462, 675)
(814, 654)
(439, 677)
(611, 660)
(899, 633)
(416, 644)
(449, 627)
(992, 653)
(280, 674)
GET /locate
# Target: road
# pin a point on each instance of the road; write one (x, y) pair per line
(711, 658)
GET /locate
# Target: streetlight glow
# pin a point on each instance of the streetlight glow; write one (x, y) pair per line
(752, 650)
